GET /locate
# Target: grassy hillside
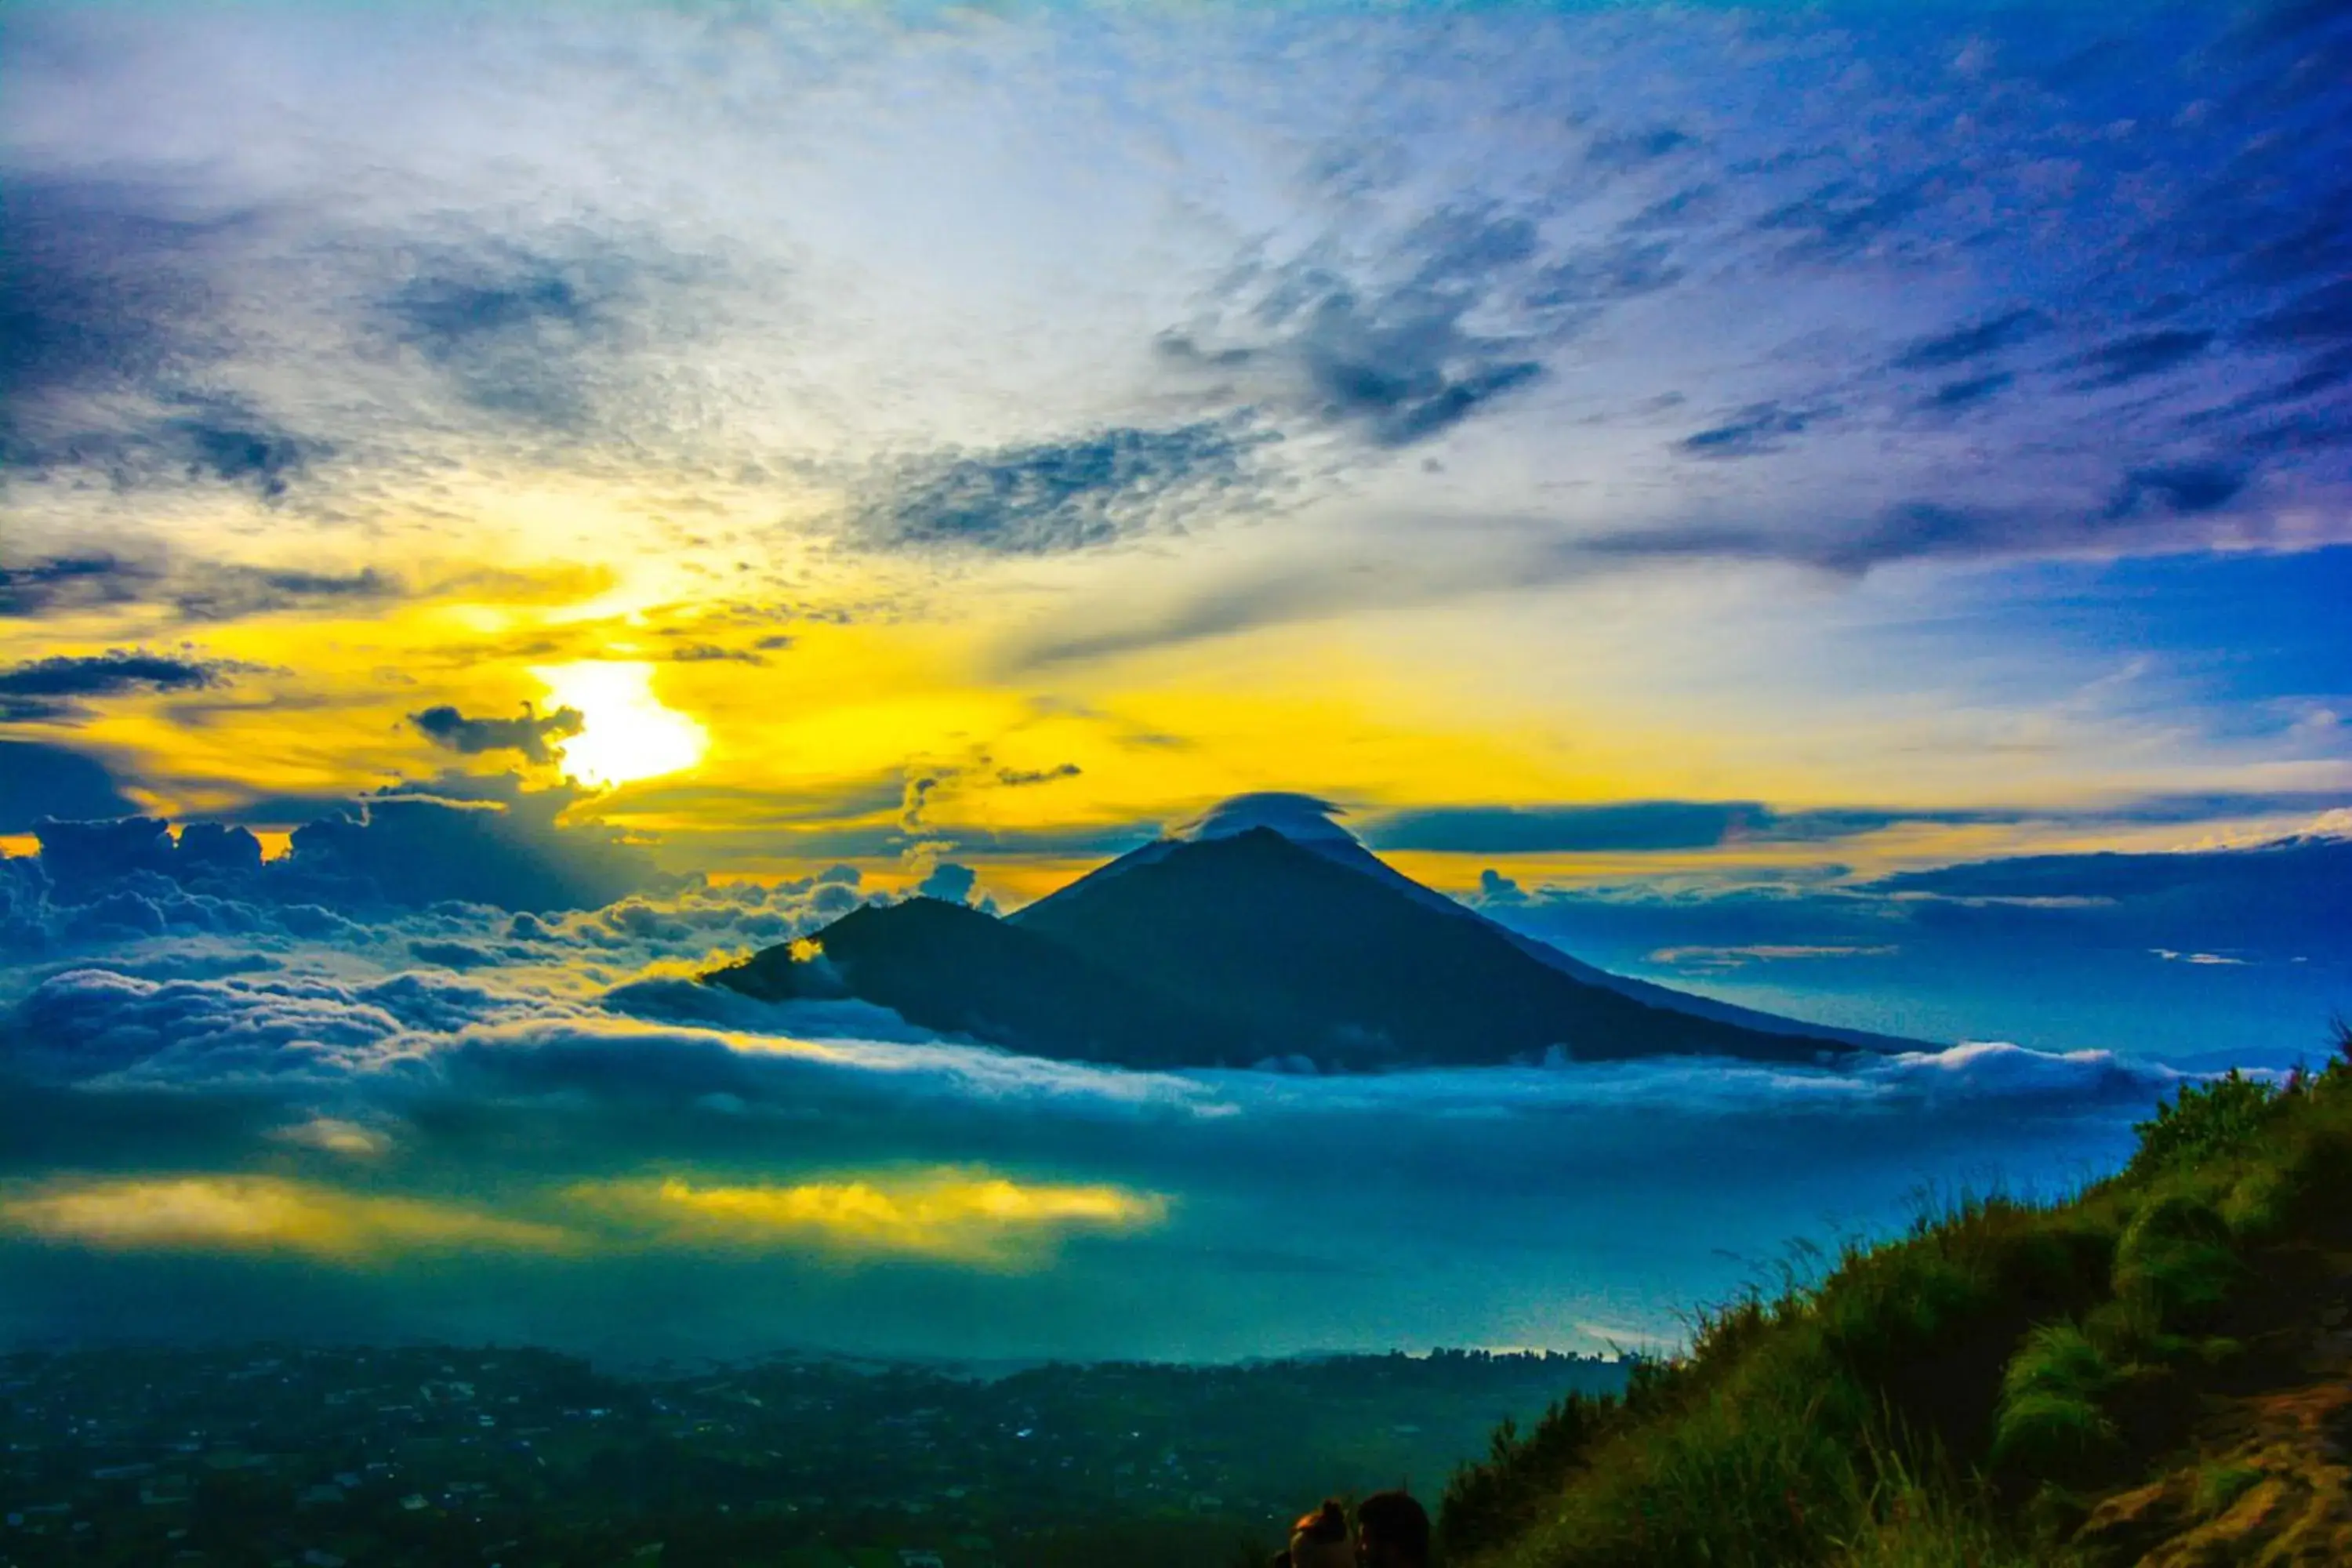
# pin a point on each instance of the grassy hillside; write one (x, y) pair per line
(2157, 1371)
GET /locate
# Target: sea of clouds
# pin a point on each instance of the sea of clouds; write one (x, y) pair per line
(458, 1120)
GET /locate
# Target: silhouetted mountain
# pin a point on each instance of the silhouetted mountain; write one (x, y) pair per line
(1320, 960)
(1249, 944)
(951, 968)
(1307, 823)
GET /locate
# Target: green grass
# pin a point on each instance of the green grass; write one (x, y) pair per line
(1950, 1397)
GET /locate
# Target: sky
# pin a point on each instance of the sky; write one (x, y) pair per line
(1844, 508)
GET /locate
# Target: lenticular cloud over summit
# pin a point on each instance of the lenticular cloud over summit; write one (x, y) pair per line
(1301, 818)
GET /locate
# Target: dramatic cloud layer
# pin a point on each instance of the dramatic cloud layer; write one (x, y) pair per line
(1845, 508)
(565, 1121)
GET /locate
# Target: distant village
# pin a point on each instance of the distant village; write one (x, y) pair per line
(279, 1457)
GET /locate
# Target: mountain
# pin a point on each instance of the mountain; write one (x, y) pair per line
(951, 968)
(1262, 932)
(1307, 823)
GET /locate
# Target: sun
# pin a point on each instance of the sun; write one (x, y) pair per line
(626, 732)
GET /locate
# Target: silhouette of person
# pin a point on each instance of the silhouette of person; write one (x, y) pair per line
(1320, 1540)
(1392, 1532)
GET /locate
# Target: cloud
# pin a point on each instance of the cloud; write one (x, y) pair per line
(1621, 269)
(1494, 888)
(1755, 430)
(712, 653)
(2307, 879)
(1980, 340)
(257, 1214)
(948, 881)
(1636, 825)
(1023, 778)
(967, 1216)
(194, 590)
(68, 583)
(222, 591)
(333, 1135)
(39, 780)
(1760, 953)
(46, 689)
(2187, 489)
(104, 290)
(1955, 395)
(530, 734)
(2322, 317)
(2141, 354)
(1840, 219)
(489, 842)
(527, 333)
(1054, 497)
(1389, 351)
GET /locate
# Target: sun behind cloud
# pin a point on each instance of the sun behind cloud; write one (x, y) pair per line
(626, 733)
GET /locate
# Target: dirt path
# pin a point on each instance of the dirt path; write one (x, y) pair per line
(2270, 1481)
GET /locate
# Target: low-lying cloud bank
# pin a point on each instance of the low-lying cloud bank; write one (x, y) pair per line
(287, 1098)
(350, 1140)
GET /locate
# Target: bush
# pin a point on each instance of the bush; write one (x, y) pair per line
(2219, 1120)
(2050, 1423)
(2176, 1259)
(2057, 1436)
(1488, 1504)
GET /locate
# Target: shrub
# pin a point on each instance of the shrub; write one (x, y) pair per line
(2219, 1120)
(2057, 1358)
(2176, 1259)
(1488, 1504)
(2056, 1436)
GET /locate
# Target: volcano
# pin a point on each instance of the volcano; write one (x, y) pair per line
(1262, 932)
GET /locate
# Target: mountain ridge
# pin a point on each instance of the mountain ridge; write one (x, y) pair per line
(1252, 945)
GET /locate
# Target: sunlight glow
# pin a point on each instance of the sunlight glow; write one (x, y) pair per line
(256, 1214)
(628, 734)
(952, 1215)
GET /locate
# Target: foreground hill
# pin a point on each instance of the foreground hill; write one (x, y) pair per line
(2157, 1372)
(1257, 943)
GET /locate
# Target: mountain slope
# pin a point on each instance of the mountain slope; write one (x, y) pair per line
(1267, 932)
(947, 967)
(1305, 825)
(2158, 1372)
(1319, 959)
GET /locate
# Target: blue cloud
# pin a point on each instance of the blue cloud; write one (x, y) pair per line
(1978, 340)
(52, 688)
(63, 583)
(518, 333)
(1954, 395)
(1057, 496)
(530, 734)
(1754, 430)
(2183, 487)
(39, 780)
(2142, 355)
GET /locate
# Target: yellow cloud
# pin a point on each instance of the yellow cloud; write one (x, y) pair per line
(955, 1215)
(331, 1135)
(256, 1215)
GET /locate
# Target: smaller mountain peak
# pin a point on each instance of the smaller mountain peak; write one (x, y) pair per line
(1301, 818)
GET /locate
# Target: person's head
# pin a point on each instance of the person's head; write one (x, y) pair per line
(1320, 1540)
(1392, 1532)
